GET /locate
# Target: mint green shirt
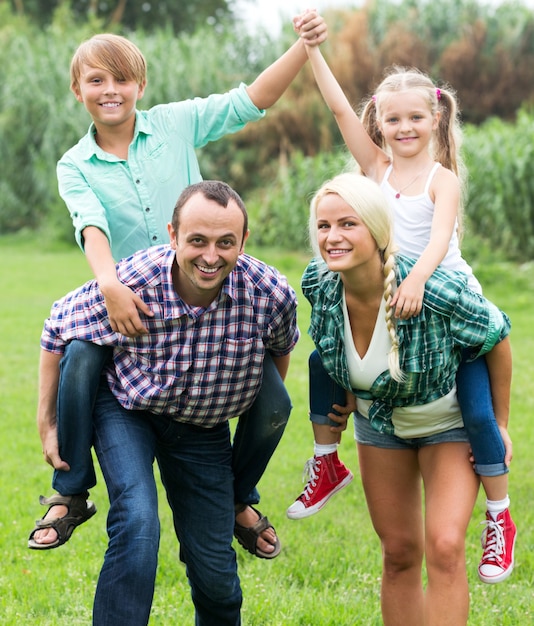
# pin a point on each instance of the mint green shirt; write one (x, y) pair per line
(132, 201)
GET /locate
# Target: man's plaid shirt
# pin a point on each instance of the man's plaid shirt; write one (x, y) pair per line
(200, 365)
(453, 318)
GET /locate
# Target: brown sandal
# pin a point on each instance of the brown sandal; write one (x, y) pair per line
(80, 509)
(248, 537)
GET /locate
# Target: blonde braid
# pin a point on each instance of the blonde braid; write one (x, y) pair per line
(389, 283)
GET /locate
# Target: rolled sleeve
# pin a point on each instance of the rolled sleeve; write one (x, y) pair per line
(81, 314)
(83, 204)
(498, 327)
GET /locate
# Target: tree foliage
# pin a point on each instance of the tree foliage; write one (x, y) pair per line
(182, 16)
(485, 52)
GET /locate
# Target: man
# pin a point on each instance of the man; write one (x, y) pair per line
(169, 394)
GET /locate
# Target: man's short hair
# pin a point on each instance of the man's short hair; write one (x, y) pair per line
(215, 190)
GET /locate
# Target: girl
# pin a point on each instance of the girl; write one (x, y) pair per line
(408, 424)
(408, 142)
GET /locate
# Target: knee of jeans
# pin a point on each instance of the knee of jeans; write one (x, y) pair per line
(476, 421)
(281, 412)
(274, 413)
(137, 526)
(82, 356)
(219, 589)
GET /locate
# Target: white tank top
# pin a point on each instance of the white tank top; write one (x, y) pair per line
(413, 222)
(409, 421)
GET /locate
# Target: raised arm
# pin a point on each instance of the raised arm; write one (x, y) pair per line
(369, 156)
(273, 81)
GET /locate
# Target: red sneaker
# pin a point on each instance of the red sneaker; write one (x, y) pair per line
(498, 542)
(326, 475)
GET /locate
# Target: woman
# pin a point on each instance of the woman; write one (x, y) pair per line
(408, 425)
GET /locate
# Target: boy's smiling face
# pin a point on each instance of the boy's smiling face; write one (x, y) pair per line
(109, 101)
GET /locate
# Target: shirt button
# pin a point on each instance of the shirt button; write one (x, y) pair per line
(147, 209)
(154, 238)
(137, 181)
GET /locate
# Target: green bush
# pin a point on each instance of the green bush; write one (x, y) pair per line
(278, 163)
(500, 208)
(279, 212)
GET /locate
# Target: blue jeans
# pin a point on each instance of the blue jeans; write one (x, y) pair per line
(474, 398)
(80, 372)
(196, 470)
(323, 392)
(256, 437)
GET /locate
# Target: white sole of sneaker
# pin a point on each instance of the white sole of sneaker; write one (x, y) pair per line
(491, 580)
(497, 579)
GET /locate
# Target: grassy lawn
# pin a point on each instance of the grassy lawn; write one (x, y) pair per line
(329, 570)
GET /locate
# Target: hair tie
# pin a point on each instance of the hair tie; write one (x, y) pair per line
(373, 98)
(438, 94)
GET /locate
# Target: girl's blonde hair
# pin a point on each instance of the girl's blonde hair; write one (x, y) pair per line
(367, 200)
(447, 138)
(112, 53)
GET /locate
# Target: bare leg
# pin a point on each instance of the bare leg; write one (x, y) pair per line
(392, 485)
(448, 510)
(323, 435)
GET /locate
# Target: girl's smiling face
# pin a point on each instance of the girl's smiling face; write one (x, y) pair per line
(406, 121)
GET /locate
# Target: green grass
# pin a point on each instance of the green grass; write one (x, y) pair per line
(329, 569)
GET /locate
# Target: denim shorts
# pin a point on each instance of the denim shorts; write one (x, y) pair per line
(366, 435)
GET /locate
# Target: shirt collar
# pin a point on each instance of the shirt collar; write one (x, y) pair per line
(91, 148)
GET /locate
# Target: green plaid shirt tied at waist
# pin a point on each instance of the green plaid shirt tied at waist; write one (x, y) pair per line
(453, 319)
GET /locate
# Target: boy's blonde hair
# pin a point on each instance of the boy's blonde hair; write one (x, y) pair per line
(366, 199)
(112, 53)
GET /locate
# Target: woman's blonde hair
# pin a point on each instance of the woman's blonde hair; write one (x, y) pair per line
(112, 53)
(367, 200)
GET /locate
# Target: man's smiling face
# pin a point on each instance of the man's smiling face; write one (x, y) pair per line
(208, 243)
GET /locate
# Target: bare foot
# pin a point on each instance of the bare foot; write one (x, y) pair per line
(267, 539)
(49, 535)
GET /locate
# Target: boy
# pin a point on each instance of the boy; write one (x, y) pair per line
(120, 183)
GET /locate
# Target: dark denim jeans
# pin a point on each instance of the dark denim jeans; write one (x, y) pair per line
(474, 398)
(196, 470)
(80, 372)
(256, 437)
